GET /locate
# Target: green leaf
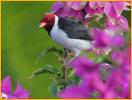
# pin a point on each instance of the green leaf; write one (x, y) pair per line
(57, 52)
(102, 20)
(63, 82)
(92, 56)
(47, 69)
(76, 80)
(97, 23)
(53, 88)
(56, 86)
(104, 59)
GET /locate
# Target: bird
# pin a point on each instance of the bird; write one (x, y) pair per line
(69, 33)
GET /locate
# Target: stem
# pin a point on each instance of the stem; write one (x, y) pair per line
(64, 72)
(101, 25)
(72, 72)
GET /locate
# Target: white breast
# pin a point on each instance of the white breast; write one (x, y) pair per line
(62, 39)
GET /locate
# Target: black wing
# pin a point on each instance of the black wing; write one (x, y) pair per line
(74, 29)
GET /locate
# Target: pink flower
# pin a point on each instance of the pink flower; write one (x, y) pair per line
(114, 86)
(109, 38)
(18, 93)
(94, 4)
(121, 57)
(76, 5)
(89, 73)
(84, 11)
(74, 91)
(118, 83)
(103, 39)
(123, 23)
(82, 66)
(118, 26)
(94, 9)
(69, 9)
(114, 9)
(57, 6)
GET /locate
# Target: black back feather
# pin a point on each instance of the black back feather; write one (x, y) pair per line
(74, 29)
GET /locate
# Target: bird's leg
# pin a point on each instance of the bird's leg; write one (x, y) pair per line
(71, 55)
(67, 60)
(76, 53)
(65, 53)
(67, 56)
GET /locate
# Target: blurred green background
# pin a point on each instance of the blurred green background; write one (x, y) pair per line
(22, 42)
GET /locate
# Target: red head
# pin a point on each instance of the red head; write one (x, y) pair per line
(47, 21)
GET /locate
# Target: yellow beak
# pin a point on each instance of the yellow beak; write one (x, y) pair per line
(42, 25)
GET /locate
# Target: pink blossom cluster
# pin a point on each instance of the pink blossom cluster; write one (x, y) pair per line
(86, 10)
(110, 39)
(113, 28)
(7, 90)
(115, 85)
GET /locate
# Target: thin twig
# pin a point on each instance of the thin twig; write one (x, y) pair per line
(64, 71)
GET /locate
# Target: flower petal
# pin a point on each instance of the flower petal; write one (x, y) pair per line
(118, 6)
(76, 5)
(6, 85)
(66, 11)
(118, 41)
(20, 93)
(77, 14)
(123, 23)
(25, 94)
(92, 5)
(19, 89)
(110, 11)
(74, 92)
(57, 6)
(82, 66)
(102, 39)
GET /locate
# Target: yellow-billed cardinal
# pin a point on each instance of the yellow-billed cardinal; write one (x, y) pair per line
(69, 33)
